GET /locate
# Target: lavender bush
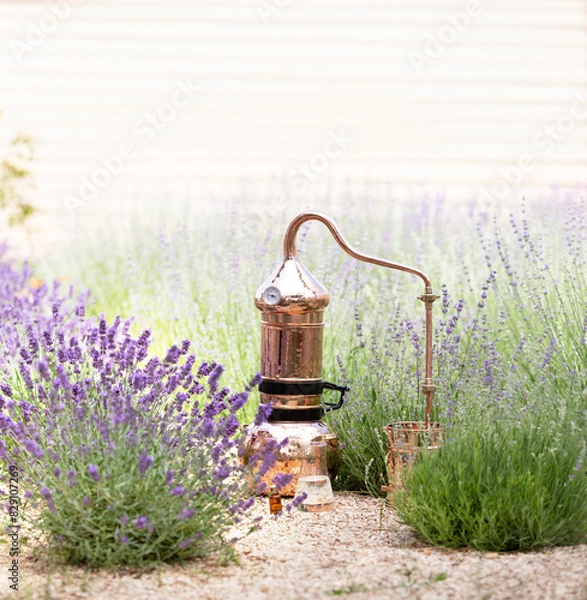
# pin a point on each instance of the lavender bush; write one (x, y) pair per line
(125, 458)
(28, 302)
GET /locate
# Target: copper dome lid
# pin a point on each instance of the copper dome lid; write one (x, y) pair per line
(292, 289)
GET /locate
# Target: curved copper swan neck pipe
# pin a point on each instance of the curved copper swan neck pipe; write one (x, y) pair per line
(290, 251)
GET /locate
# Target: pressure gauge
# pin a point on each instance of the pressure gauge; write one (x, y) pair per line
(272, 295)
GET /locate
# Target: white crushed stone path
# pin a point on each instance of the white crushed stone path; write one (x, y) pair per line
(357, 551)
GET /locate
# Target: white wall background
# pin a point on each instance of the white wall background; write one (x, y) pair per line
(82, 77)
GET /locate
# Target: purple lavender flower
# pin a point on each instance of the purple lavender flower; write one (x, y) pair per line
(186, 513)
(263, 413)
(145, 461)
(46, 493)
(238, 401)
(55, 311)
(214, 377)
(222, 472)
(141, 522)
(169, 477)
(71, 476)
(297, 501)
(281, 480)
(103, 327)
(231, 425)
(92, 399)
(189, 541)
(94, 472)
(34, 448)
(172, 356)
(254, 382)
(205, 369)
(207, 428)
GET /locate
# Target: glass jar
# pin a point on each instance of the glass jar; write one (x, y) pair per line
(314, 480)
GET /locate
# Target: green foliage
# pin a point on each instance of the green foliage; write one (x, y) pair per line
(502, 485)
(94, 523)
(15, 179)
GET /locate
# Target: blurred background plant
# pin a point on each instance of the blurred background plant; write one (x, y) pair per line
(16, 179)
(28, 300)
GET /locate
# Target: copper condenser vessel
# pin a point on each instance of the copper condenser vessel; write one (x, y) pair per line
(292, 304)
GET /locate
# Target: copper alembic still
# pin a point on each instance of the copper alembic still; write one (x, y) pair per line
(292, 304)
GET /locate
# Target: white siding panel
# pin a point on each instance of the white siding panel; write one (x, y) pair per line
(271, 93)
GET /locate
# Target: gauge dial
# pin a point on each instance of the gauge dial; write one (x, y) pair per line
(272, 295)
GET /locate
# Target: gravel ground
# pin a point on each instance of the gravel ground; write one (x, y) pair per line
(358, 550)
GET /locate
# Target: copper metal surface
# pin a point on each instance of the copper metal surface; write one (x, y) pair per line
(291, 351)
(292, 304)
(292, 402)
(300, 291)
(291, 329)
(291, 457)
(290, 252)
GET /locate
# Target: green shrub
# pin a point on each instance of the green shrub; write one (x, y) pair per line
(501, 487)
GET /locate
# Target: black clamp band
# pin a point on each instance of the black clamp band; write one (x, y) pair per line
(314, 413)
(278, 388)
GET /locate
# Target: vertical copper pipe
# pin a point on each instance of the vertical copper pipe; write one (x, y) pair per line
(290, 251)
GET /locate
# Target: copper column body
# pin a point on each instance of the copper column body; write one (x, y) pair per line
(290, 252)
(292, 304)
